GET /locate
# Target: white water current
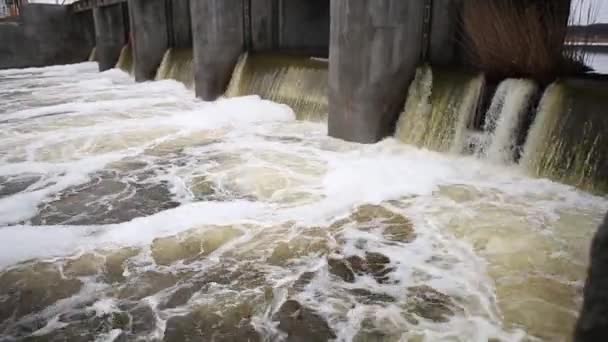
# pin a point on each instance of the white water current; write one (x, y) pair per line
(137, 211)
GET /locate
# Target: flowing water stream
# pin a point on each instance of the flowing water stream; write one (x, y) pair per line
(135, 211)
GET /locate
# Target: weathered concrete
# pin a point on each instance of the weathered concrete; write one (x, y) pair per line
(304, 26)
(150, 36)
(375, 47)
(46, 35)
(445, 47)
(592, 324)
(110, 34)
(217, 32)
(292, 26)
(180, 24)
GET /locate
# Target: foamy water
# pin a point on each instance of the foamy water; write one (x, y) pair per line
(136, 211)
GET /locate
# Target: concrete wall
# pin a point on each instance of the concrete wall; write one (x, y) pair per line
(217, 32)
(180, 24)
(46, 35)
(445, 44)
(293, 26)
(375, 48)
(111, 32)
(150, 36)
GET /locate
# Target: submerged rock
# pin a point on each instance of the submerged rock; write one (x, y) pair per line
(341, 269)
(395, 227)
(204, 324)
(107, 199)
(374, 264)
(302, 324)
(32, 288)
(431, 304)
(86, 265)
(191, 245)
(115, 264)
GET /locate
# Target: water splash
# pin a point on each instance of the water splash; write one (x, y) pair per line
(125, 61)
(439, 107)
(567, 141)
(300, 82)
(177, 65)
(504, 120)
(93, 55)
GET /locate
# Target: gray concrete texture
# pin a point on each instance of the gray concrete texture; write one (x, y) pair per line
(110, 34)
(293, 26)
(181, 24)
(149, 34)
(445, 44)
(217, 32)
(46, 35)
(375, 48)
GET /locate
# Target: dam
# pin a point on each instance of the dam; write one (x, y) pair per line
(288, 170)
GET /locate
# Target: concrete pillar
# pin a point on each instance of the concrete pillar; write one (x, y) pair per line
(304, 26)
(445, 46)
(149, 35)
(375, 47)
(264, 25)
(110, 34)
(181, 25)
(293, 26)
(217, 32)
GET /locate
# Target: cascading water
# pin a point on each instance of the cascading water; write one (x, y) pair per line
(505, 119)
(93, 55)
(439, 108)
(133, 211)
(125, 60)
(567, 141)
(177, 65)
(300, 82)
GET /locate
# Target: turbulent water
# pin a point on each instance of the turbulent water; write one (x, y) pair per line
(177, 65)
(505, 119)
(567, 141)
(439, 108)
(125, 60)
(300, 82)
(136, 211)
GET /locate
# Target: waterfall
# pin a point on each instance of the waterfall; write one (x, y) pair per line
(177, 65)
(93, 55)
(505, 119)
(125, 61)
(567, 141)
(300, 82)
(439, 107)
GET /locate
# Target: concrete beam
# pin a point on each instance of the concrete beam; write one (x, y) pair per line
(217, 32)
(110, 34)
(375, 47)
(87, 5)
(149, 35)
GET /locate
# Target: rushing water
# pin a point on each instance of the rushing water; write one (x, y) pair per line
(136, 211)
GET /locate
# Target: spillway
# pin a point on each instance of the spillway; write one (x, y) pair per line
(300, 82)
(125, 60)
(439, 108)
(177, 65)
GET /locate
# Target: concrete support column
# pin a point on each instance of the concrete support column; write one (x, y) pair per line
(149, 34)
(375, 46)
(217, 32)
(181, 25)
(445, 47)
(110, 34)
